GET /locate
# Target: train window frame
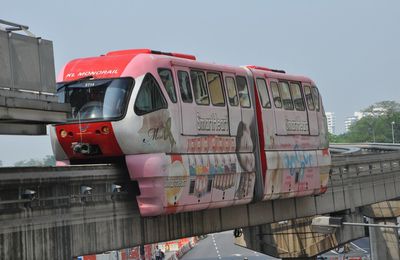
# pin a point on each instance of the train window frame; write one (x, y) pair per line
(235, 98)
(221, 89)
(206, 96)
(189, 92)
(266, 93)
(61, 86)
(140, 91)
(303, 108)
(309, 97)
(172, 95)
(239, 91)
(316, 95)
(276, 98)
(288, 105)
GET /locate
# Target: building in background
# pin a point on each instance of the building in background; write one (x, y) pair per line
(352, 119)
(331, 120)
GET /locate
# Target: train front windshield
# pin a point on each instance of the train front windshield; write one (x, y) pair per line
(95, 100)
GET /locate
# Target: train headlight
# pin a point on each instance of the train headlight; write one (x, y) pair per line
(105, 130)
(63, 133)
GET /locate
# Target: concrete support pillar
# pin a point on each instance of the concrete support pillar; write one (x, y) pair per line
(294, 239)
(384, 241)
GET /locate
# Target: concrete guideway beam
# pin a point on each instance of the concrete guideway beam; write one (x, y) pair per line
(23, 129)
(19, 116)
(103, 221)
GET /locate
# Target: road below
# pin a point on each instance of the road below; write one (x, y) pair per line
(221, 246)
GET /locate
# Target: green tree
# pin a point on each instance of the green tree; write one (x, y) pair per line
(376, 126)
(337, 138)
(387, 107)
(49, 160)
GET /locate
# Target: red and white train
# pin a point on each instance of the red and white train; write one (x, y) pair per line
(194, 135)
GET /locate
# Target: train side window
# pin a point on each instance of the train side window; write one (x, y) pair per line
(316, 97)
(231, 88)
(192, 186)
(168, 82)
(215, 87)
(199, 87)
(297, 96)
(184, 86)
(263, 91)
(150, 97)
(286, 97)
(209, 184)
(244, 97)
(309, 98)
(276, 95)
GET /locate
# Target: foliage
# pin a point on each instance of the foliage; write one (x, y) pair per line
(49, 160)
(389, 107)
(336, 138)
(376, 126)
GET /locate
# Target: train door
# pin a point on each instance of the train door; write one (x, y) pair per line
(299, 123)
(268, 117)
(216, 121)
(278, 111)
(290, 112)
(187, 106)
(234, 113)
(311, 110)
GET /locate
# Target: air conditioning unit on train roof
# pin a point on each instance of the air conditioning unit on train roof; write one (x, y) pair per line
(264, 68)
(149, 51)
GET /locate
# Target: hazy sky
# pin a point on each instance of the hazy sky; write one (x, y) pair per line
(351, 49)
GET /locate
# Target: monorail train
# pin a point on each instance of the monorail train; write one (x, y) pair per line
(194, 135)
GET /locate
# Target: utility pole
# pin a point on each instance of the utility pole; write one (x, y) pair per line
(393, 131)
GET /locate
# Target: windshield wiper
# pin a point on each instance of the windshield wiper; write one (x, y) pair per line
(75, 81)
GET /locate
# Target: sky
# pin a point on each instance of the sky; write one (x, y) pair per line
(351, 49)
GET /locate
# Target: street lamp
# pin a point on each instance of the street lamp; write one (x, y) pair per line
(328, 225)
(393, 131)
(371, 129)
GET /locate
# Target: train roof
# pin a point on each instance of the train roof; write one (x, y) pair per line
(113, 63)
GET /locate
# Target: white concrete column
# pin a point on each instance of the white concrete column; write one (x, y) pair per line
(384, 241)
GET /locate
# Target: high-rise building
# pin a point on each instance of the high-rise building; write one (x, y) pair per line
(331, 120)
(352, 119)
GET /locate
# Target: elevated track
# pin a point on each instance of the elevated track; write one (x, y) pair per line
(61, 212)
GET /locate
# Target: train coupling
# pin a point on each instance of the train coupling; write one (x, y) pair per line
(85, 148)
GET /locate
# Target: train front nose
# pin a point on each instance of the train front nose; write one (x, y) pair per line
(88, 140)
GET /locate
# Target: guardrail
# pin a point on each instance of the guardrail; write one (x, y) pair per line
(366, 146)
(338, 149)
(41, 187)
